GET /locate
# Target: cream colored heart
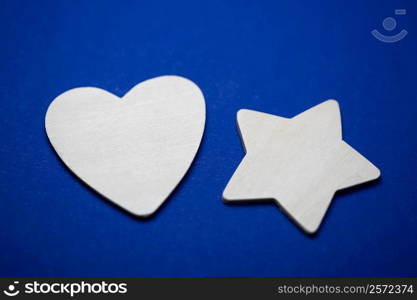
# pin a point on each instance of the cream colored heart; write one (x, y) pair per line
(132, 150)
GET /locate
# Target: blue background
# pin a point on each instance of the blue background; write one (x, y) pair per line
(279, 57)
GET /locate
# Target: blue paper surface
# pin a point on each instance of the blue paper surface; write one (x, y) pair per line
(280, 57)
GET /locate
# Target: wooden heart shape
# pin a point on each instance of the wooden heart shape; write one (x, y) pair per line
(132, 150)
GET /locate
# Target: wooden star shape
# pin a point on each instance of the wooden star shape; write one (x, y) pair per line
(299, 162)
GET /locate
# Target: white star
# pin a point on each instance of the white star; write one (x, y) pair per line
(299, 162)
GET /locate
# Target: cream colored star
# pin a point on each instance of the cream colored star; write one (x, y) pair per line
(299, 162)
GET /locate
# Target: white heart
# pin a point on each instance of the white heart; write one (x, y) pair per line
(134, 150)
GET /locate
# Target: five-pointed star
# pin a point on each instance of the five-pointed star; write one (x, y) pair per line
(299, 162)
